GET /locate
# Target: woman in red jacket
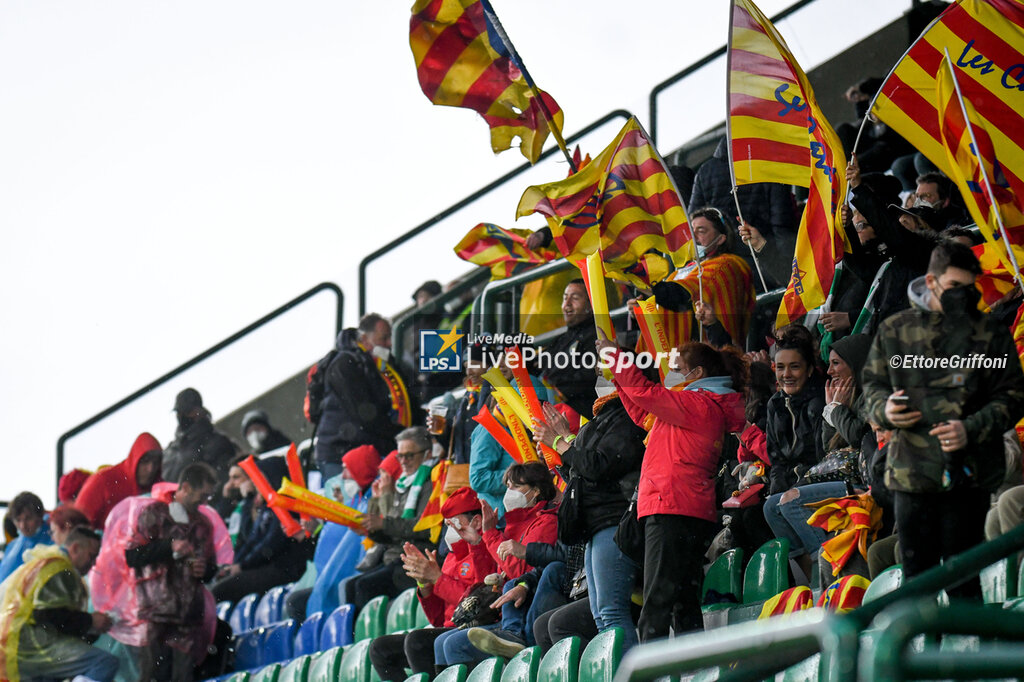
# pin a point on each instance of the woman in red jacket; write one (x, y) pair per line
(530, 516)
(687, 425)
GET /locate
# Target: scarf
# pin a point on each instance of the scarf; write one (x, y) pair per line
(414, 484)
(853, 519)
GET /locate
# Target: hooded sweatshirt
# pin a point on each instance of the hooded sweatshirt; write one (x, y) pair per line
(107, 487)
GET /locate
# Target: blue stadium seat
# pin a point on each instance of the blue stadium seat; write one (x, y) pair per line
(338, 627)
(249, 650)
(278, 642)
(270, 607)
(242, 616)
(307, 641)
(224, 610)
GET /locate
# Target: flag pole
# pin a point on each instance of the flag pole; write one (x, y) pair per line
(728, 141)
(984, 174)
(492, 19)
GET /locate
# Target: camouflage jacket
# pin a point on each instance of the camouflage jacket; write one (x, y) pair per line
(988, 400)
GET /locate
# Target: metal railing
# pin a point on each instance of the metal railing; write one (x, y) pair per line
(427, 224)
(753, 651)
(245, 331)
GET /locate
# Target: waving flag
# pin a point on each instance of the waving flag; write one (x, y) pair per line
(459, 65)
(623, 203)
(777, 133)
(502, 250)
(985, 39)
(986, 189)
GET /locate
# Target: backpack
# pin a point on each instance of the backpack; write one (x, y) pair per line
(316, 388)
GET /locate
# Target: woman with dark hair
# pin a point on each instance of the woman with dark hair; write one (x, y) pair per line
(676, 496)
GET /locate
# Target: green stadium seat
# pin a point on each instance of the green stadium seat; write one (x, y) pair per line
(418, 677)
(523, 666)
(601, 658)
(297, 670)
(884, 583)
(356, 666)
(767, 573)
(725, 577)
(562, 662)
(997, 581)
(239, 677)
(267, 674)
(371, 619)
(325, 667)
(453, 673)
(804, 671)
(401, 614)
(487, 671)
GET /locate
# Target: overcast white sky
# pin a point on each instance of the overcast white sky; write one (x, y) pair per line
(171, 171)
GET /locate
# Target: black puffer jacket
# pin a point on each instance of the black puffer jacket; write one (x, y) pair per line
(606, 457)
(194, 443)
(356, 405)
(794, 433)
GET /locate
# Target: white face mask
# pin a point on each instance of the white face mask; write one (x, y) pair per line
(603, 387)
(674, 378)
(514, 500)
(256, 439)
(451, 536)
(350, 489)
(918, 202)
(178, 512)
(381, 352)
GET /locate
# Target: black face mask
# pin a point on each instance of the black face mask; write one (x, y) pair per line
(961, 300)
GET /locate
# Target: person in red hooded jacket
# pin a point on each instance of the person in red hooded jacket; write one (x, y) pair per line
(439, 588)
(688, 422)
(133, 476)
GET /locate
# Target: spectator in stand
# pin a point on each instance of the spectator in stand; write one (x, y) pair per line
(531, 517)
(574, 381)
(456, 437)
(365, 400)
(488, 462)
(439, 589)
(687, 424)
(936, 191)
(787, 513)
(135, 475)
(195, 439)
(62, 520)
(427, 385)
(70, 484)
(264, 556)
(948, 424)
(27, 513)
(172, 552)
(395, 508)
(260, 435)
(794, 413)
(44, 626)
(602, 463)
(768, 209)
(725, 312)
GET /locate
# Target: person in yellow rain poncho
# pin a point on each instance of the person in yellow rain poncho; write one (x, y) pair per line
(43, 622)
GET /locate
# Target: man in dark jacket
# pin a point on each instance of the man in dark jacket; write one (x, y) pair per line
(195, 440)
(767, 207)
(948, 413)
(361, 392)
(574, 381)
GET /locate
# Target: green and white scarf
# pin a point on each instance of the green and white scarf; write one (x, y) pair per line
(414, 484)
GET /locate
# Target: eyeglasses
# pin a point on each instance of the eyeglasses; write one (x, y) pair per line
(406, 456)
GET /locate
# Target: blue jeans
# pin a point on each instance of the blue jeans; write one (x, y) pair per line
(519, 621)
(789, 520)
(453, 647)
(610, 579)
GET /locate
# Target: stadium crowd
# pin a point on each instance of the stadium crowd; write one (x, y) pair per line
(810, 433)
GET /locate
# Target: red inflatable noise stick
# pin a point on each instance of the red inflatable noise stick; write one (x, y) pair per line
(295, 472)
(290, 525)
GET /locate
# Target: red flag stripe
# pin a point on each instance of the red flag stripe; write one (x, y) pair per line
(768, 150)
(757, 107)
(741, 19)
(760, 65)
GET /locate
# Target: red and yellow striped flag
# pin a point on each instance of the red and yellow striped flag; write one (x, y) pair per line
(788, 601)
(985, 38)
(458, 65)
(978, 173)
(778, 133)
(623, 203)
(502, 250)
